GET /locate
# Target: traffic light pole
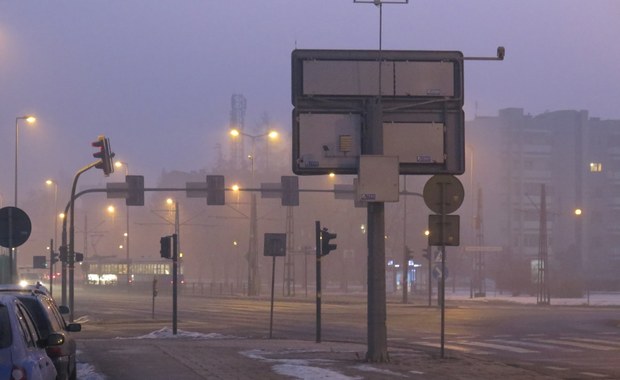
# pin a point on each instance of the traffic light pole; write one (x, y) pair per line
(175, 254)
(318, 280)
(71, 251)
(51, 265)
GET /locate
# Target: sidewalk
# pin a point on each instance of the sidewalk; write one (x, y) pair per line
(161, 355)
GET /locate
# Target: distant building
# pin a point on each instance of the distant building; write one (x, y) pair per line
(577, 158)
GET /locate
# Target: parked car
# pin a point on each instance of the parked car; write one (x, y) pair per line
(22, 350)
(48, 320)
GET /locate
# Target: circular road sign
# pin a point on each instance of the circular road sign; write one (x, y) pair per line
(453, 193)
(15, 227)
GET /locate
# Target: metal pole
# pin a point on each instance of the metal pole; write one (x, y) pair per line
(51, 265)
(405, 280)
(175, 253)
(16, 149)
(71, 251)
(318, 279)
(273, 282)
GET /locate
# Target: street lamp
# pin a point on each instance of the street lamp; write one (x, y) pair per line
(253, 272)
(124, 164)
(271, 135)
(51, 182)
(13, 254)
(29, 119)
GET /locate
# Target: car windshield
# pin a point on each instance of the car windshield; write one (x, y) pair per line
(5, 328)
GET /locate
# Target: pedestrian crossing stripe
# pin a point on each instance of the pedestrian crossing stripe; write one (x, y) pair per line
(500, 347)
(535, 345)
(576, 344)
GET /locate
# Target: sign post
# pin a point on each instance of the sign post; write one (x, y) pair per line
(15, 228)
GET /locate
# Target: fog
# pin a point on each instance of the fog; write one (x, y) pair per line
(157, 79)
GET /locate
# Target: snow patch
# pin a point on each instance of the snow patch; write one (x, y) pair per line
(86, 371)
(166, 333)
(298, 368)
(297, 371)
(369, 368)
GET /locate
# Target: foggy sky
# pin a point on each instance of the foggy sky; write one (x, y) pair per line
(156, 77)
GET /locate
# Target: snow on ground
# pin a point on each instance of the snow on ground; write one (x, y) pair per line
(166, 333)
(298, 368)
(86, 371)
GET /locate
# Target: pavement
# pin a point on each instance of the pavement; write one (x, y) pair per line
(162, 355)
(188, 356)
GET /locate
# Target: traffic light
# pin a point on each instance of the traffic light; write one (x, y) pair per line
(79, 257)
(409, 252)
(39, 262)
(63, 253)
(105, 155)
(135, 190)
(290, 190)
(53, 257)
(326, 236)
(427, 254)
(216, 190)
(165, 249)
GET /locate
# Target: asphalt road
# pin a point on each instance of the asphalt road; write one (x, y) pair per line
(566, 342)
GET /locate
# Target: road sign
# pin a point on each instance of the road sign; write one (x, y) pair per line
(443, 194)
(422, 120)
(275, 244)
(437, 271)
(15, 227)
(444, 230)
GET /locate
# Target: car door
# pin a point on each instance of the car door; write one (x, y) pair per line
(38, 365)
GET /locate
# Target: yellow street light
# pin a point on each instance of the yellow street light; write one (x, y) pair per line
(578, 211)
(29, 119)
(111, 209)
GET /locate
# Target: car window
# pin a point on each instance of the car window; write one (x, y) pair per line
(58, 324)
(38, 313)
(5, 327)
(27, 328)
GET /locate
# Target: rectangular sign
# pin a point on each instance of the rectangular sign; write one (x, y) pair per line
(326, 142)
(404, 74)
(274, 244)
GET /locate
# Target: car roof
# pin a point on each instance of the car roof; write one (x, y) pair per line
(14, 288)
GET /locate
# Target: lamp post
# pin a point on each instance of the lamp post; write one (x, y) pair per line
(253, 279)
(29, 119)
(124, 164)
(13, 254)
(51, 182)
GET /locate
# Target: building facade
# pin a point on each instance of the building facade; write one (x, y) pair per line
(576, 158)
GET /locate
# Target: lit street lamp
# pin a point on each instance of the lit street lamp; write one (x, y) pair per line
(13, 255)
(120, 164)
(253, 275)
(29, 119)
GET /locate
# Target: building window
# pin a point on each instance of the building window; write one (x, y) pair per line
(596, 167)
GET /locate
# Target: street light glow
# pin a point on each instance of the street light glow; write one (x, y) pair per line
(111, 209)
(234, 132)
(578, 211)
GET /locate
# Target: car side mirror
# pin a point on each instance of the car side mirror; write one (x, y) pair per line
(52, 340)
(74, 327)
